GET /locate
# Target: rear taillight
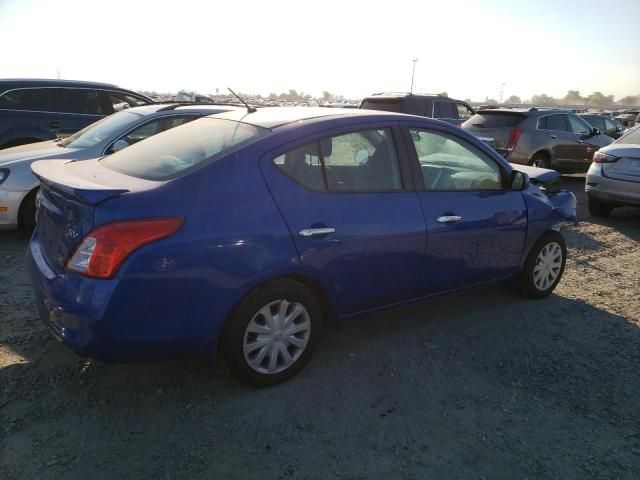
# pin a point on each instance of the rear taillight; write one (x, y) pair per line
(103, 250)
(513, 138)
(600, 157)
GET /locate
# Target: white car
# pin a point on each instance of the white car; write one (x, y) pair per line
(18, 184)
(613, 180)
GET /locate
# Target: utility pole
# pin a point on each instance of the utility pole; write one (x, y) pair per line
(501, 91)
(413, 73)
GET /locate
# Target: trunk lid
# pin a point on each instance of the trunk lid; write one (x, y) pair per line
(627, 167)
(69, 193)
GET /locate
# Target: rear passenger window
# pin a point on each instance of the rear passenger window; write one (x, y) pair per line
(303, 165)
(553, 122)
(68, 100)
(443, 110)
(362, 161)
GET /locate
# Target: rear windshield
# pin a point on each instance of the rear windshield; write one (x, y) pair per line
(632, 137)
(494, 120)
(175, 151)
(384, 104)
(95, 133)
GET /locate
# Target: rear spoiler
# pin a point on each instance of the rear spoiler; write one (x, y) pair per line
(58, 175)
(539, 176)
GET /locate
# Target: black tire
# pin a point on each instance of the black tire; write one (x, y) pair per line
(236, 328)
(27, 212)
(540, 160)
(598, 208)
(527, 286)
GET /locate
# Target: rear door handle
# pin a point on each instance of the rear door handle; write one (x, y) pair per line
(54, 125)
(553, 136)
(316, 232)
(449, 219)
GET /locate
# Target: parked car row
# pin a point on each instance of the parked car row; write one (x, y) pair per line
(173, 229)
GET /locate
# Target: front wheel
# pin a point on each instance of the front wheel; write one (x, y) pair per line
(544, 266)
(272, 333)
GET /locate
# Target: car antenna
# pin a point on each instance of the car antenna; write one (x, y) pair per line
(249, 108)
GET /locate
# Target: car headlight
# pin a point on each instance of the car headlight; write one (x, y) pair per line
(4, 173)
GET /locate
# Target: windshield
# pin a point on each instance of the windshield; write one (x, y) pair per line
(108, 127)
(175, 151)
(631, 137)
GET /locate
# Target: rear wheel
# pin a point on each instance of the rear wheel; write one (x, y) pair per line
(544, 266)
(272, 333)
(540, 160)
(598, 208)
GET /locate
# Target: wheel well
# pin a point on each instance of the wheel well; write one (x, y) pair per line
(315, 287)
(318, 291)
(27, 197)
(542, 153)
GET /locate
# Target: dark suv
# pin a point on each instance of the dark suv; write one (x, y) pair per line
(432, 106)
(547, 138)
(37, 110)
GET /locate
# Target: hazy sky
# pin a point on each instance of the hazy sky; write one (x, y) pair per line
(467, 48)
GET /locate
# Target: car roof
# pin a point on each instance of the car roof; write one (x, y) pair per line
(522, 111)
(54, 82)
(274, 117)
(181, 107)
(405, 95)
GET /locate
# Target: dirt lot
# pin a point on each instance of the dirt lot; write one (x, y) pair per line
(478, 385)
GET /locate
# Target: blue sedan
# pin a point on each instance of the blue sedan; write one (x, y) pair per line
(245, 233)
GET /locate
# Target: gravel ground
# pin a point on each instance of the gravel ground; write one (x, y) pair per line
(476, 385)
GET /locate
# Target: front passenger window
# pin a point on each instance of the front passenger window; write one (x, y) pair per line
(578, 125)
(448, 163)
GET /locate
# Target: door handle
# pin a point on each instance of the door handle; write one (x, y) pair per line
(54, 125)
(316, 232)
(449, 219)
(553, 136)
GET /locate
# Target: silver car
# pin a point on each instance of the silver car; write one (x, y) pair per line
(18, 185)
(613, 180)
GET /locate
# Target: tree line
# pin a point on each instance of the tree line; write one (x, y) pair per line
(573, 97)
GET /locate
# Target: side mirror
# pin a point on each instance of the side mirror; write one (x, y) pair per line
(519, 180)
(119, 145)
(362, 157)
(595, 131)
